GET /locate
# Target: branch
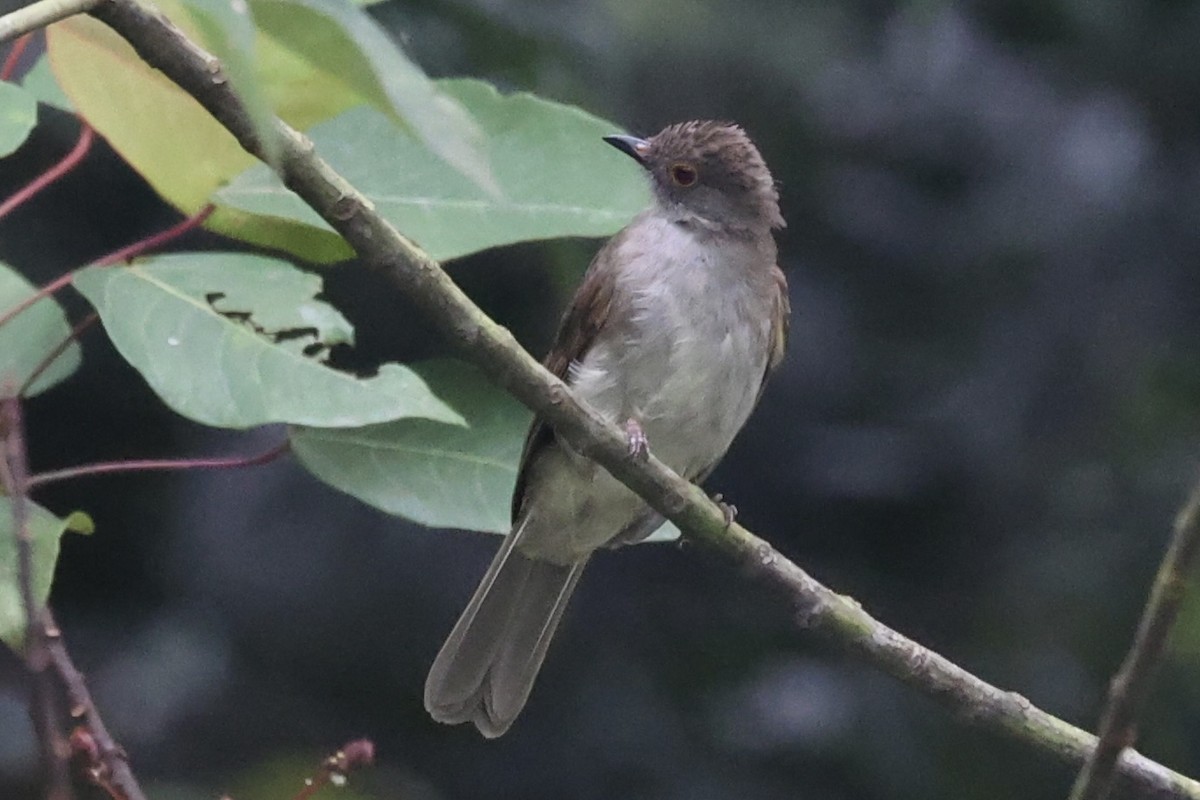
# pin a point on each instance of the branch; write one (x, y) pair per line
(336, 769)
(1131, 686)
(68, 163)
(494, 350)
(106, 763)
(43, 708)
(159, 465)
(39, 15)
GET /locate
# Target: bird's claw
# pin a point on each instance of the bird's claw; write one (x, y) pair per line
(635, 438)
(728, 510)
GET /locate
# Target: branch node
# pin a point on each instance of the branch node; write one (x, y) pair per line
(346, 206)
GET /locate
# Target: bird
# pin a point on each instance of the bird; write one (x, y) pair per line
(678, 322)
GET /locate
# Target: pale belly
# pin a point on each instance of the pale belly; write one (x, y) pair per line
(687, 367)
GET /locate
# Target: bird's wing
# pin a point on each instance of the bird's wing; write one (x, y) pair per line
(577, 332)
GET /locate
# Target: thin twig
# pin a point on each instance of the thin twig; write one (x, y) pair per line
(106, 763)
(132, 251)
(60, 348)
(116, 257)
(45, 291)
(39, 15)
(336, 769)
(158, 465)
(1130, 687)
(65, 165)
(494, 350)
(14, 56)
(14, 469)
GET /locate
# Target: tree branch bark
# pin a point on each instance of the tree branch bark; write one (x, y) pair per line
(494, 350)
(1130, 687)
(43, 706)
(39, 15)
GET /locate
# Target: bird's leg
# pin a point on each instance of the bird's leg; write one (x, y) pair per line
(635, 438)
(729, 510)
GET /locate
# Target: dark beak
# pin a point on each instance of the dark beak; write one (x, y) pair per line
(631, 146)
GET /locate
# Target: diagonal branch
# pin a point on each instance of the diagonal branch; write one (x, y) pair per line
(1131, 685)
(494, 350)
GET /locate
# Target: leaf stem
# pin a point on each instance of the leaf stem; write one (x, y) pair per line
(60, 348)
(68, 163)
(158, 465)
(14, 55)
(116, 257)
(131, 251)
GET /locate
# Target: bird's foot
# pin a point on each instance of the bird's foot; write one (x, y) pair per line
(635, 438)
(728, 510)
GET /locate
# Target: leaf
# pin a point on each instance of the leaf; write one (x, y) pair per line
(45, 531)
(437, 475)
(233, 339)
(345, 41)
(164, 134)
(40, 82)
(26, 339)
(18, 115)
(557, 177)
(228, 28)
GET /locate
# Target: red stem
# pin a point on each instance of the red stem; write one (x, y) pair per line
(68, 163)
(150, 242)
(47, 290)
(157, 465)
(117, 256)
(59, 349)
(337, 768)
(14, 55)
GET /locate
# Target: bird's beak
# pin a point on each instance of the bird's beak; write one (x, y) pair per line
(631, 146)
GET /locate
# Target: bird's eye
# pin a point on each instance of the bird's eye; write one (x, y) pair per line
(683, 174)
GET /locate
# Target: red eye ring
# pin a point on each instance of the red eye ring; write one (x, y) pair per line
(683, 174)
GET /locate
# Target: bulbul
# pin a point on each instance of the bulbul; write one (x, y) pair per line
(679, 319)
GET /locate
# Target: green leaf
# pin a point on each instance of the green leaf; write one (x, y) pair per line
(18, 115)
(346, 42)
(40, 82)
(557, 177)
(164, 134)
(435, 474)
(438, 475)
(228, 27)
(235, 340)
(45, 530)
(28, 338)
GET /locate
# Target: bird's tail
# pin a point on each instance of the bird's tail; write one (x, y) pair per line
(487, 666)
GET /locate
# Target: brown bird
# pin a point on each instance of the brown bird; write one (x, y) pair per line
(678, 321)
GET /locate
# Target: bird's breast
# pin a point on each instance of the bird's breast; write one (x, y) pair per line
(686, 346)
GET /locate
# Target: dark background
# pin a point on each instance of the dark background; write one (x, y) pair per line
(984, 425)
